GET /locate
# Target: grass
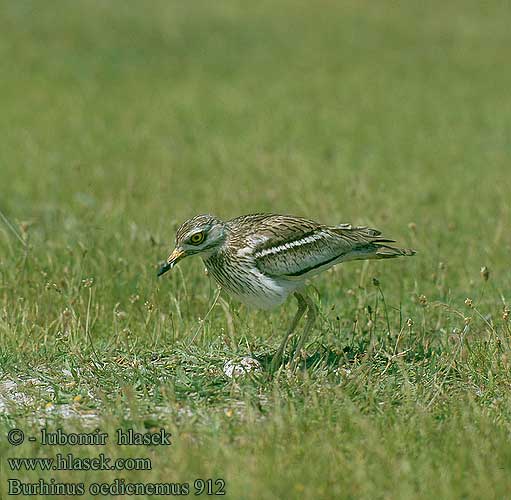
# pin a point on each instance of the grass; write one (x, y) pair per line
(120, 122)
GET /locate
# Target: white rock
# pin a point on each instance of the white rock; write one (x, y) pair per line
(241, 367)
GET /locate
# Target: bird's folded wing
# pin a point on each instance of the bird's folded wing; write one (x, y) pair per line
(302, 248)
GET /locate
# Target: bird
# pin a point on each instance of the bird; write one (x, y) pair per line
(262, 258)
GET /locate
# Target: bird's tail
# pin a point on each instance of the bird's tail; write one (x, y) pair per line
(377, 251)
(388, 252)
(368, 243)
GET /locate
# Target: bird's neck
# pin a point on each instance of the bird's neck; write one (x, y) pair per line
(212, 253)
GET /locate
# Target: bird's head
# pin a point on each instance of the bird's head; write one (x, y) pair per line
(202, 234)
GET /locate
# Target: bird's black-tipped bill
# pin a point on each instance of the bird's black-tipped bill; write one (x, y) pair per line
(176, 255)
(164, 268)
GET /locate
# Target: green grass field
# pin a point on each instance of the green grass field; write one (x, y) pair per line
(120, 119)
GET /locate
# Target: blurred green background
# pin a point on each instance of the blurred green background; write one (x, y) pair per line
(121, 119)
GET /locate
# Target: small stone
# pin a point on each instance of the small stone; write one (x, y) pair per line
(242, 367)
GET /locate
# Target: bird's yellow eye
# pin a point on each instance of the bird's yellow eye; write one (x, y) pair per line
(197, 238)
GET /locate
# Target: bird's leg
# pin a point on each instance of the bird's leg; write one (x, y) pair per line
(311, 318)
(302, 306)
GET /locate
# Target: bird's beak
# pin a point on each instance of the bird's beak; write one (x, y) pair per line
(173, 258)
